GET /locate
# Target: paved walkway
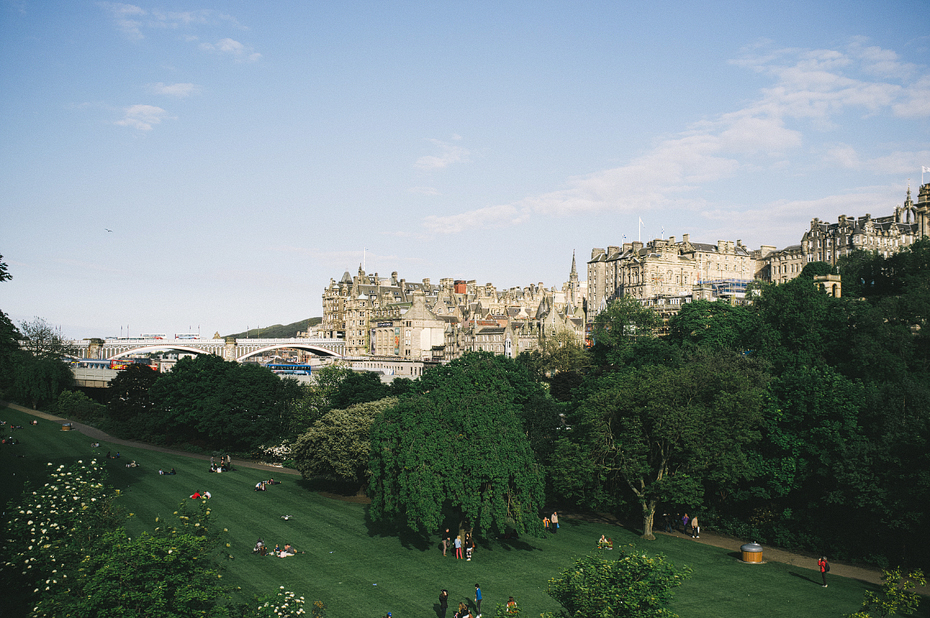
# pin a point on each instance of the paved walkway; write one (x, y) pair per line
(770, 554)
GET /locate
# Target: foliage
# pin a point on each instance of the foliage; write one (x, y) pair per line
(897, 595)
(715, 325)
(359, 387)
(278, 331)
(76, 405)
(9, 349)
(458, 445)
(128, 393)
(40, 338)
(65, 544)
(317, 398)
(634, 585)
(225, 405)
(338, 445)
(663, 433)
(615, 329)
(38, 380)
(4, 271)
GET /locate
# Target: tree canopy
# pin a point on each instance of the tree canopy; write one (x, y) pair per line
(457, 447)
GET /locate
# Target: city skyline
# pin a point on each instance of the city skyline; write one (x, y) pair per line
(211, 166)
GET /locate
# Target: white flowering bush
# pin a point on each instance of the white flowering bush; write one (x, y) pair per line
(284, 604)
(276, 452)
(53, 526)
(65, 553)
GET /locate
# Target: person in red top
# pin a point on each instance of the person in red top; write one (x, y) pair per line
(196, 495)
(824, 567)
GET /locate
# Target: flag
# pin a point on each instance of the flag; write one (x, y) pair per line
(641, 224)
(925, 170)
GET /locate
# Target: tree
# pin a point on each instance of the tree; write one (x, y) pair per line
(615, 329)
(338, 445)
(359, 387)
(714, 325)
(9, 350)
(897, 595)
(40, 338)
(633, 585)
(4, 271)
(226, 405)
(317, 397)
(38, 380)
(128, 393)
(457, 447)
(77, 405)
(664, 432)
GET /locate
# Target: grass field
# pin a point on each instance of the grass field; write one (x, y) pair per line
(360, 570)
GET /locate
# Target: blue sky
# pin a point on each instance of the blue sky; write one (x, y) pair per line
(244, 153)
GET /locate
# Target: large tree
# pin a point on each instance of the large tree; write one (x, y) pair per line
(457, 448)
(338, 445)
(624, 322)
(663, 432)
(225, 405)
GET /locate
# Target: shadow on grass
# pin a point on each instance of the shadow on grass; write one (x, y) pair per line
(409, 538)
(805, 577)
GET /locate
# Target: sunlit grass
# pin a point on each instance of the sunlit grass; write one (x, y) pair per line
(359, 569)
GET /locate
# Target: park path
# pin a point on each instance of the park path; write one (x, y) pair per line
(770, 554)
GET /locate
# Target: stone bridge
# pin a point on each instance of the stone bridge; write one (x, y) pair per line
(229, 349)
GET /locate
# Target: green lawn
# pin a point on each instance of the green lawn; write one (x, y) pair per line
(359, 570)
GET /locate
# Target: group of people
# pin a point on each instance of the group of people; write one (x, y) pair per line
(132, 464)
(551, 522)
(463, 610)
(691, 526)
(279, 552)
(197, 495)
(261, 485)
(162, 472)
(225, 464)
(464, 547)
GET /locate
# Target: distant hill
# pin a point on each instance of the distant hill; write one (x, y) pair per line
(278, 331)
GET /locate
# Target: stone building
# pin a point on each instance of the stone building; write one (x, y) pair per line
(392, 318)
(668, 269)
(827, 242)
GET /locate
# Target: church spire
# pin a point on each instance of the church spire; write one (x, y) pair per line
(573, 276)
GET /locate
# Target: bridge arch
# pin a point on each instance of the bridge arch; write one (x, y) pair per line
(155, 348)
(319, 351)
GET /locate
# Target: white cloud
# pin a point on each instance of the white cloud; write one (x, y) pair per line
(128, 18)
(131, 19)
(449, 154)
(233, 48)
(142, 117)
(179, 91)
(813, 86)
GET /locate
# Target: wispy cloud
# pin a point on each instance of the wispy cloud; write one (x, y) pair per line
(179, 91)
(810, 90)
(233, 48)
(131, 19)
(448, 154)
(142, 117)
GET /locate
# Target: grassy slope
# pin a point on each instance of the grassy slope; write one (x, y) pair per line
(358, 570)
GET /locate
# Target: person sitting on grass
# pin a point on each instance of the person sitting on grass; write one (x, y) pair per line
(260, 486)
(195, 495)
(172, 471)
(259, 547)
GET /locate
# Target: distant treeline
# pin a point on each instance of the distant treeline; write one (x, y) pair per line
(277, 331)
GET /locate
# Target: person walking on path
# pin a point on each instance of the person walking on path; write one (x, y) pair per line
(443, 603)
(824, 569)
(458, 547)
(554, 522)
(446, 539)
(695, 528)
(478, 599)
(684, 523)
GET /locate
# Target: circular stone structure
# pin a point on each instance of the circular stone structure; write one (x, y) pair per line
(752, 553)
